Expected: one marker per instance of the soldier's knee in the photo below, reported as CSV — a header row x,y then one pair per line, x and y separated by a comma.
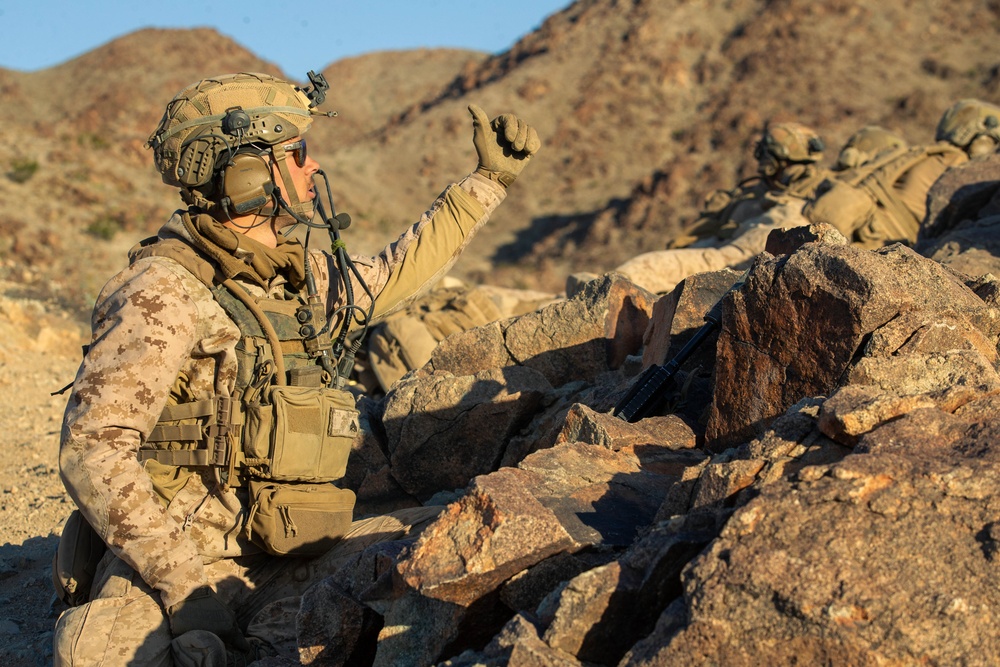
x,y
113,631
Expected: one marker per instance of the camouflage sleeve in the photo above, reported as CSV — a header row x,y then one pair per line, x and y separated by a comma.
x,y
144,329
426,251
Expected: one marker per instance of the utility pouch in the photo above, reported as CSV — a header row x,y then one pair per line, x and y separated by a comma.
x,y
298,519
301,434
75,561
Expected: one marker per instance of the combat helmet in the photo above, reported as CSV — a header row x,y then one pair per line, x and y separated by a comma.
x,y
867,143
216,135
972,125
787,143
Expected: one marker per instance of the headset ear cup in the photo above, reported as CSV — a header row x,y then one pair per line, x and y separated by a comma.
x,y
247,183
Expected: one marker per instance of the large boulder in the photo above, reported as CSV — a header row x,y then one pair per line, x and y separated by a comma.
x,y
801,321
443,430
883,558
962,226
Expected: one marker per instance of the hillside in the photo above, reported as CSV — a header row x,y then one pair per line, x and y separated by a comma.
x,y
632,93
644,106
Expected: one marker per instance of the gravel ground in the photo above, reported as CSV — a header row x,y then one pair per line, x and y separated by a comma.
x,y
39,353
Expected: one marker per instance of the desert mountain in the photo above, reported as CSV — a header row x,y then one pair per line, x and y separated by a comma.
x,y
819,490
644,107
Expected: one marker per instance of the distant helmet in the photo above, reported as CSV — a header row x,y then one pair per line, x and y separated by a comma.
x,y
787,143
968,120
867,143
210,122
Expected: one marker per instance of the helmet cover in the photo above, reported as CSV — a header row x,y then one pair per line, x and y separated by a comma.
x,y
790,142
865,144
208,121
968,119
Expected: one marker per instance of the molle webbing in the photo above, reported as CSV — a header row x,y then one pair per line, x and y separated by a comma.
x,y
215,420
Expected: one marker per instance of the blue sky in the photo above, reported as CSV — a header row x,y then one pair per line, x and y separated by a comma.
x,y
299,36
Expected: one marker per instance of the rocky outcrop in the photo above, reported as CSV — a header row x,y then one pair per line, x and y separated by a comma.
x,y
962,227
804,321
832,504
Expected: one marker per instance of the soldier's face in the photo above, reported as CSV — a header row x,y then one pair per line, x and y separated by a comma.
x,y
301,167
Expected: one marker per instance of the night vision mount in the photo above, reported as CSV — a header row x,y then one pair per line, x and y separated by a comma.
x,y
317,91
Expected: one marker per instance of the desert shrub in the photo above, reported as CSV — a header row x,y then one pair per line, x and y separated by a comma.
x,y
22,169
104,227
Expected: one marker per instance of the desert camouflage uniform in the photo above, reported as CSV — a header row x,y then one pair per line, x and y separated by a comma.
x,y
160,338
745,228
884,200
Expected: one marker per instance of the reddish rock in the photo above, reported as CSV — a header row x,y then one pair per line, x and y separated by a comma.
x,y
496,530
575,339
769,354
678,315
826,562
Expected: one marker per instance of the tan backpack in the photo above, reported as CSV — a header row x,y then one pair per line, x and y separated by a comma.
x,y
867,204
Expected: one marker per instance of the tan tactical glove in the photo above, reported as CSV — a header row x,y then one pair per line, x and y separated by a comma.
x,y
504,145
203,610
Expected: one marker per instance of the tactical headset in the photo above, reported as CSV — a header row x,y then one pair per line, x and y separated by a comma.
x,y
222,140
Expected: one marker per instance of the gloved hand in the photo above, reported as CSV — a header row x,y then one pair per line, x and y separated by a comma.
x,y
203,610
504,145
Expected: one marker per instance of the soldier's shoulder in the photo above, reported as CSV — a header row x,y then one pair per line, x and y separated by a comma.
x,y
155,280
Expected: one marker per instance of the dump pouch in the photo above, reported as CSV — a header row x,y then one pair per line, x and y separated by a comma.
x,y
300,434
75,562
298,519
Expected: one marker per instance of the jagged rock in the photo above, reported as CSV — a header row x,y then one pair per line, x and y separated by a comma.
x,y
896,386
965,192
962,226
368,471
339,618
853,563
582,424
443,430
602,496
329,626
518,644
971,248
792,442
558,500
787,241
493,532
525,590
721,480
969,431
544,428
769,354
606,593
576,339
598,615
679,314
416,631
987,288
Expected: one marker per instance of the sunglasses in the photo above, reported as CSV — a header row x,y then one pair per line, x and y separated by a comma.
x,y
298,151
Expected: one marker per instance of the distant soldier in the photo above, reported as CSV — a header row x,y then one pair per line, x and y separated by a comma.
x,y
884,199
734,225
973,126
787,157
